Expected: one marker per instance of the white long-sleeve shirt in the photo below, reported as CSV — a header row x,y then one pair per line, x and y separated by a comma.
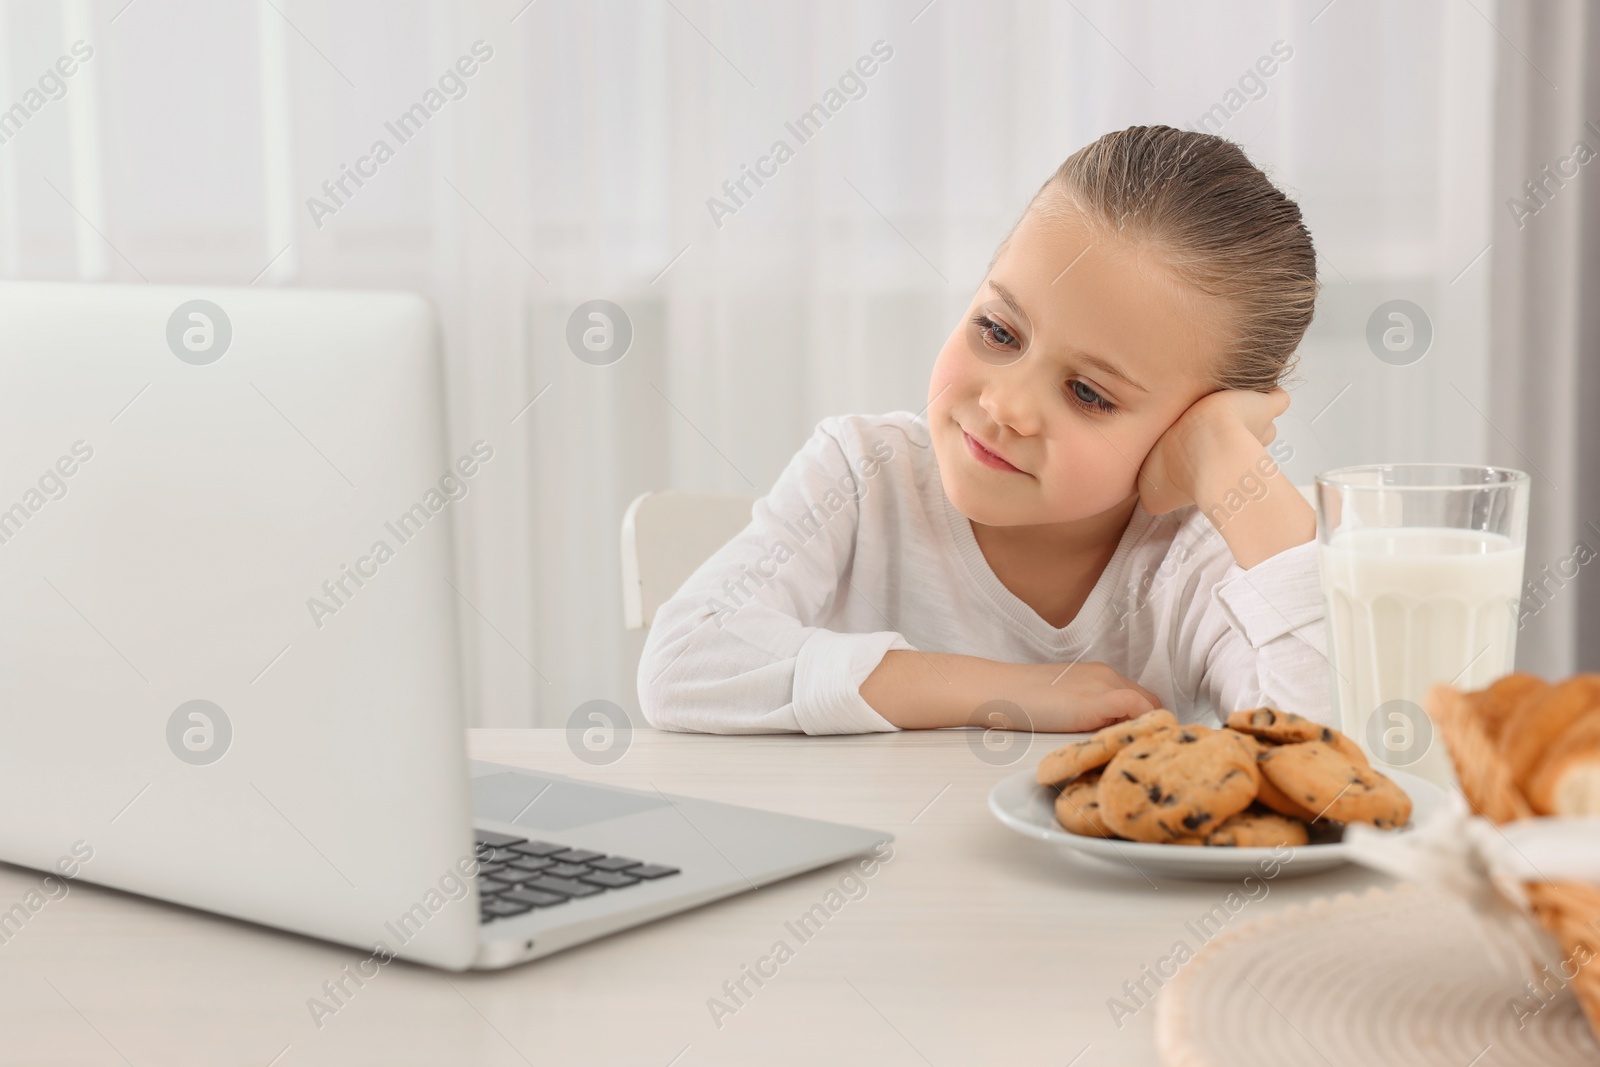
x,y
857,550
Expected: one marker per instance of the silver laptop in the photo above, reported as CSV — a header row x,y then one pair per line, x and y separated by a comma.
x,y
228,665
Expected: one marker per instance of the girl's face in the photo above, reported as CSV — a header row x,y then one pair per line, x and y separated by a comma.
x,y
1076,355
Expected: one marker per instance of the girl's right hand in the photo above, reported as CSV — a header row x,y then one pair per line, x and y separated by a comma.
x,y
1068,698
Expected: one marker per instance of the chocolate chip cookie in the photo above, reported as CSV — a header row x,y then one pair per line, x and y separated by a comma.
x,y
1256,828
1078,807
1267,793
1334,786
1096,750
1272,797
1177,783
1286,728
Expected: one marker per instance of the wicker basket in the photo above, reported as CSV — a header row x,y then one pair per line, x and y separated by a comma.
x,y
1569,910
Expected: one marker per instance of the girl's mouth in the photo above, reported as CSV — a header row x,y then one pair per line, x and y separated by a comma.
x,y
985,456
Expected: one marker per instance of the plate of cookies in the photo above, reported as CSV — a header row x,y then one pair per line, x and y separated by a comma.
x,y
1193,801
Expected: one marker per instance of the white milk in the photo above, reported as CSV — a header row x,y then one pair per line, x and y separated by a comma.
x,y
1410,607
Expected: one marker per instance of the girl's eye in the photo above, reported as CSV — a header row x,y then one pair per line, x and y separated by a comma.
x,y
994,333
1086,397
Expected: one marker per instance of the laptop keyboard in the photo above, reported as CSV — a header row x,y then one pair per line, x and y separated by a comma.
x,y
516,875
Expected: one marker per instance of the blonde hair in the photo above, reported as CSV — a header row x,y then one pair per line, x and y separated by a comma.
x,y
1215,220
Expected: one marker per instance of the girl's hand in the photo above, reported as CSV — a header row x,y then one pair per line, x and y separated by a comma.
x,y
1214,456
1068,698
1212,426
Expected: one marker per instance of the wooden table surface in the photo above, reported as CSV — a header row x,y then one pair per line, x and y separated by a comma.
x,y
971,945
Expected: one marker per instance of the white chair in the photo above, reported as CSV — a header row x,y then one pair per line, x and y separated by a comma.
x,y
665,536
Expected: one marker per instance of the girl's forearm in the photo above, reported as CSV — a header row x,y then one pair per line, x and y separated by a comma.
x,y
927,690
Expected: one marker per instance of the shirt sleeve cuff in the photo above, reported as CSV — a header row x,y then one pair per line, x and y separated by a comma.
x,y
1275,597
827,681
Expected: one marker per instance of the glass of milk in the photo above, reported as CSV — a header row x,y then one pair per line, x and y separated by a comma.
x,y
1422,575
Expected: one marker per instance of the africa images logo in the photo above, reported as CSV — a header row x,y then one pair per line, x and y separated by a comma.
x,y
199,732
199,332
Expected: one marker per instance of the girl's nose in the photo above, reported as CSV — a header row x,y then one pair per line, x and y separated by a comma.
x,y
1012,401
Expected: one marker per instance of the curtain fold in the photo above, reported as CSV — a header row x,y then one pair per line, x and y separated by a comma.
x,y
1545,319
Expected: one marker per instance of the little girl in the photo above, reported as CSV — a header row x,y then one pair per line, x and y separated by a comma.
x,y
1085,523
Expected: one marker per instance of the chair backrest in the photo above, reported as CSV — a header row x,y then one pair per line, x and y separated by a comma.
x,y
665,537
667,534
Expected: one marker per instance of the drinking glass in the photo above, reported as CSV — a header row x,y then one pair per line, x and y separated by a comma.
x,y
1422,577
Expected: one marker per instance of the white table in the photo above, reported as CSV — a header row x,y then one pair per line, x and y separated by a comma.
x,y
972,945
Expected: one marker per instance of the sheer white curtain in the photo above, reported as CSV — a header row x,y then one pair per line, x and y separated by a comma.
x,y
1546,325
577,161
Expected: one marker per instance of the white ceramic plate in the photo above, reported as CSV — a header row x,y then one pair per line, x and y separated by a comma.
x,y
1029,808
